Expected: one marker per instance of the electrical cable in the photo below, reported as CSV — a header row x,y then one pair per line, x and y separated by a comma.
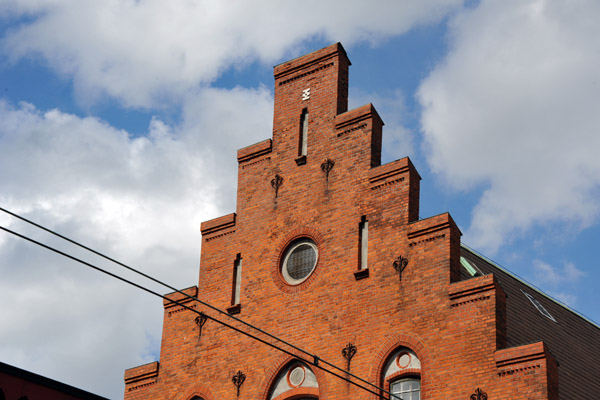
x,y
186,295
315,361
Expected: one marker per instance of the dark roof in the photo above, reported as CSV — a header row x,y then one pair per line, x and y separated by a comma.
x,y
573,340
49,383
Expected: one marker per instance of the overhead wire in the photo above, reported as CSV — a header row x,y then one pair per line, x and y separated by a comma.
x,y
315,359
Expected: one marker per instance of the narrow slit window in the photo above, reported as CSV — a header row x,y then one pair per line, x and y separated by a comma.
x,y
363,229
303,145
237,280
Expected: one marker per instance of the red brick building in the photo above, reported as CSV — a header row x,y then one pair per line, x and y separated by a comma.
x,y
327,251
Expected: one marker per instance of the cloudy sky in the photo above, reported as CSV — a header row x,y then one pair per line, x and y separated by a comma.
x,y
120,120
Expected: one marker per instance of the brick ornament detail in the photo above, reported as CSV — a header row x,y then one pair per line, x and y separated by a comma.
x,y
306,94
327,166
276,183
238,379
348,352
400,264
200,321
479,395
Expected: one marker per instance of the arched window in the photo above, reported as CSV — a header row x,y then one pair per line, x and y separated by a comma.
x,y
402,375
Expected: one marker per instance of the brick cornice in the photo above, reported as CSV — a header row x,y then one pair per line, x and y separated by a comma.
x,y
142,375
180,298
288,70
434,224
517,357
357,115
473,289
217,224
256,150
390,169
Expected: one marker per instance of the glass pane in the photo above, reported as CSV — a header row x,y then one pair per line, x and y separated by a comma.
x,y
405,386
301,261
406,389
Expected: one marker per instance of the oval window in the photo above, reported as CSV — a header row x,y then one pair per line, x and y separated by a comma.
x,y
299,261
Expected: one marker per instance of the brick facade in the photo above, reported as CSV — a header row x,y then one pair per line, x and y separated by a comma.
x,y
455,328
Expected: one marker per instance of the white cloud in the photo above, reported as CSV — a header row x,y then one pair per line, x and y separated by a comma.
x,y
559,282
137,199
513,109
150,52
546,274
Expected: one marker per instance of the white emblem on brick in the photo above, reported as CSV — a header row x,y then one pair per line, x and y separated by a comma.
x,y
306,94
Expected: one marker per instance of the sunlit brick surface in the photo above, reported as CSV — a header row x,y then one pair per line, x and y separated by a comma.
x,y
456,328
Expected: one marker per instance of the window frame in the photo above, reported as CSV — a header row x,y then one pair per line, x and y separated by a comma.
x,y
399,377
288,279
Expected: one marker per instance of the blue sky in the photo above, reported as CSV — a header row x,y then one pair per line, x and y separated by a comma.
x,y
119,123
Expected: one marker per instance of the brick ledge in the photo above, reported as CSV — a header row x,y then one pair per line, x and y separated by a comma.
x,y
147,372
255,150
217,224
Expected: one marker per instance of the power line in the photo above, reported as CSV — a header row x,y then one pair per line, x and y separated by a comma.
x,y
315,359
152,279
186,295
314,362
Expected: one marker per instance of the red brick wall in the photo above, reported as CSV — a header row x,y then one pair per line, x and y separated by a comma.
x,y
454,327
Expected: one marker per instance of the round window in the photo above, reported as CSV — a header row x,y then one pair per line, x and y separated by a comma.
x,y
299,261
296,376
403,360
